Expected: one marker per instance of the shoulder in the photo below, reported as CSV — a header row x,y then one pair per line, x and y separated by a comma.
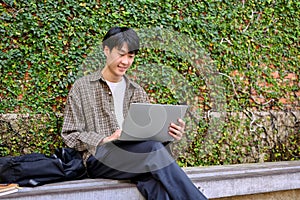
x,y
87,80
82,81
84,84
132,84
138,92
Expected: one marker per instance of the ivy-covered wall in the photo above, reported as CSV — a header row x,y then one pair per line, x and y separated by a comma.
x,y
218,56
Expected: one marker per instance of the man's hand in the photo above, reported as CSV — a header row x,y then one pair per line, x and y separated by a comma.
x,y
116,135
177,130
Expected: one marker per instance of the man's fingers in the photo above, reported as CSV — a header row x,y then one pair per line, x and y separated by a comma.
x,y
181,123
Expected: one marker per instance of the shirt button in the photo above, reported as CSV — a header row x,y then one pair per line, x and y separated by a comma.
x,y
109,93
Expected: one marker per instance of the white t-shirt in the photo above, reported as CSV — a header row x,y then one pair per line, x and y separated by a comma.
x,y
118,92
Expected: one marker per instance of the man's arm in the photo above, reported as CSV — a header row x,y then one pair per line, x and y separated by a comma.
x,y
74,128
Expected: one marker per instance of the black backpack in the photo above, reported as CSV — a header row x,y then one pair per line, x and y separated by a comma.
x,y
37,169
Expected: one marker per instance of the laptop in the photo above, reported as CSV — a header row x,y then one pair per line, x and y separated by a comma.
x,y
147,121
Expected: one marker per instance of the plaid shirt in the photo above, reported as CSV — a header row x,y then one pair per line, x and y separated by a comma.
x,y
89,114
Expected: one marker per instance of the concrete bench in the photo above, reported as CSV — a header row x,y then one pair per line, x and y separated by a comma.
x,y
276,180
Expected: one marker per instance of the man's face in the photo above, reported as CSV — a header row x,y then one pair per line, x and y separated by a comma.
x,y
118,60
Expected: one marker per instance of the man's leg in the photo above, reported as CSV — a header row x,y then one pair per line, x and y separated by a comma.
x,y
137,160
149,187
164,169
177,183
152,189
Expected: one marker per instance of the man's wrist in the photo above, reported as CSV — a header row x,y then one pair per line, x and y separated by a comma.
x,y
104,140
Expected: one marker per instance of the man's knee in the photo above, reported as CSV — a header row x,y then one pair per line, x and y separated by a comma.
x,y
153,145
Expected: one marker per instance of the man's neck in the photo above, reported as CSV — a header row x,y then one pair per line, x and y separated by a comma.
x,y
110,77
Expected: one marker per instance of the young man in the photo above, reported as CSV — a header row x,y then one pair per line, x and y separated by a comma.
x,y
95,109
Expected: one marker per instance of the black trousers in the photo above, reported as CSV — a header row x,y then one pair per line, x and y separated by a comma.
x,y
148,164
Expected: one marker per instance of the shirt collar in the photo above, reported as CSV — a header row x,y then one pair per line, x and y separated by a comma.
x,y
98,76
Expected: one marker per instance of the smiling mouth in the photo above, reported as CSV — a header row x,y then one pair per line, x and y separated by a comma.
x,y
124,68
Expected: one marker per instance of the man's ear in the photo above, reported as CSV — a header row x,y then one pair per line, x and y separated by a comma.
x,y
106,50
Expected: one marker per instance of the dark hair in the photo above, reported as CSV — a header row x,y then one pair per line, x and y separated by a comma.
x,y
117,36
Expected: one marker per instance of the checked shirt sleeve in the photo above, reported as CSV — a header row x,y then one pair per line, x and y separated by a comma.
x,y
74,131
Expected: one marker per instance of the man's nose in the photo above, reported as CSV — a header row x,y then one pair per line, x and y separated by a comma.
x,y
125,60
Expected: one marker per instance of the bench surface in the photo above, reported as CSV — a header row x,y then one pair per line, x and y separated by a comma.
x,y
213,181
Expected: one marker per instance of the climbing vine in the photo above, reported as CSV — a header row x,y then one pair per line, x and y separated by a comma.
x,y
251,67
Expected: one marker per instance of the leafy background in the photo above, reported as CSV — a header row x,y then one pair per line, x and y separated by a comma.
x,y
252,45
